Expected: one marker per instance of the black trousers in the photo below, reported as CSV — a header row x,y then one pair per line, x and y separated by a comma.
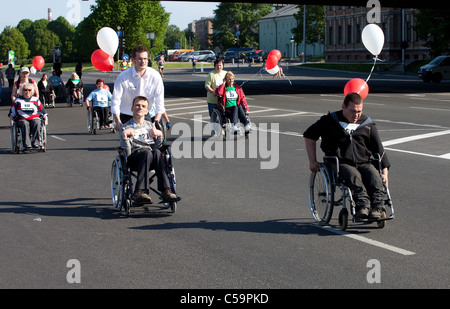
x,y
365,183
143,162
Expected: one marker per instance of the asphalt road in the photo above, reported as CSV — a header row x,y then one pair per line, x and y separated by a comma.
x,y
244,220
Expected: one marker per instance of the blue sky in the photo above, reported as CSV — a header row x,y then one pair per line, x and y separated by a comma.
x,y
182,12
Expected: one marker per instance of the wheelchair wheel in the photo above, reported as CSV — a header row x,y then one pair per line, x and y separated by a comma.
x,y
382,223
321,196
117,183
89,121
343,219
15,138
43,137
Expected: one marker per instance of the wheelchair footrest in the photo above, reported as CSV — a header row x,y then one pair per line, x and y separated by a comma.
x,y
369,220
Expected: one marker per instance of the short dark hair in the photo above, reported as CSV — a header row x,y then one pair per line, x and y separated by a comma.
x,y
352,97
139,98
139,49
219,59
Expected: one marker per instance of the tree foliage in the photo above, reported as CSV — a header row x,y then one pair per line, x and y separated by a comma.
x,y
135,19
12,39
228,14
433,26
314,21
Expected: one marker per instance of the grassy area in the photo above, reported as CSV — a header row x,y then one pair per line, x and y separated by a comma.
x,y
352,67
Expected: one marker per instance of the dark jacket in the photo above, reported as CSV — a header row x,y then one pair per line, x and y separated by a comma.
x,y
352,147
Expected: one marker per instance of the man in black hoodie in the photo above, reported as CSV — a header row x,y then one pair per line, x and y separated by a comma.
x,y
353,138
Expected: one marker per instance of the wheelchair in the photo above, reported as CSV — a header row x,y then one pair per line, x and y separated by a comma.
x,y
93,122
51,102
222,127
71,100
323,195
122,178
16,136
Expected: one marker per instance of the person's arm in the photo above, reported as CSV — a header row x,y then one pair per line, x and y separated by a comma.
x,y
312,154
115,103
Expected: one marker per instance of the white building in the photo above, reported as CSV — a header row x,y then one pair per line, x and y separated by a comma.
x,y
275,32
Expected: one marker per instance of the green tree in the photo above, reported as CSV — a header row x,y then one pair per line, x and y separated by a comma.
x,y
433,26
315,24
12,39
173,35
136,19
65,33
228,14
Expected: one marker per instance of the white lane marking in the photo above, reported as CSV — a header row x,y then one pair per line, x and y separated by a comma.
x,y
58,138
368,241
414,138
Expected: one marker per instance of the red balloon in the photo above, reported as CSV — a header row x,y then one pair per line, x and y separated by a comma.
x,y
357,85
38,62
271,62
102,61
275,52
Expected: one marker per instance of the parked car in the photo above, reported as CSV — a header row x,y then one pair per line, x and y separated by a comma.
x,y
201,55
235,53
438,69
251,56
178,57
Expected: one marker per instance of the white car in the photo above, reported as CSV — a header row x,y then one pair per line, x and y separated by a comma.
x,y
438,69
201,55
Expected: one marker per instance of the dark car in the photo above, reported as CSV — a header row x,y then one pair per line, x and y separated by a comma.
x,y
251,56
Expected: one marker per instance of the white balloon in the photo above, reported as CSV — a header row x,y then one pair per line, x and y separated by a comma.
x,y
107,40
273,70
33,70
373,38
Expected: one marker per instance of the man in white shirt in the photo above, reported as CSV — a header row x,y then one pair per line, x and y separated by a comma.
x,y
139,80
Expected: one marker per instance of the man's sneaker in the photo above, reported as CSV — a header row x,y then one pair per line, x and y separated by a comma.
x,y
363,213
141,197
169,196
248,127
376,213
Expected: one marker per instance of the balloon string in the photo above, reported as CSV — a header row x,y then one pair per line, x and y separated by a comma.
x,y
251,77
374,63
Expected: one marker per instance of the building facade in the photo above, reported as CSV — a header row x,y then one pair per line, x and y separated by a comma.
x,y
204,30
344,25
275,32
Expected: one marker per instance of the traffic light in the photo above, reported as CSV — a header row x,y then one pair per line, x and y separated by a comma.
x,y
152,43
123,42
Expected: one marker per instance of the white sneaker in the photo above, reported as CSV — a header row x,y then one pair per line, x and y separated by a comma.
x,y
248,127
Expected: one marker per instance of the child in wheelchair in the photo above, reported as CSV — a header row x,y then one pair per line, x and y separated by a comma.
x,y
233,103
27,110
137,138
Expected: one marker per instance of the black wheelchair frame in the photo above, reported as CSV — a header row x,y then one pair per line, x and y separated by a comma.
x,y
93,121
122,182
16,139
223,127
322,195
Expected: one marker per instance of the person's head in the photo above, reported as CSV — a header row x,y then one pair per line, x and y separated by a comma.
x,y
218,64
140,106
99,83
229,78
140,57
44,76
27,90
24,72
352,107
75,76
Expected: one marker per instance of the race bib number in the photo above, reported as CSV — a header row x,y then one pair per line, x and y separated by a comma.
x,y
143,136
27,106
103,98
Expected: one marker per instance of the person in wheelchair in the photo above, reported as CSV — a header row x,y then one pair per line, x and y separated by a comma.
x,y
100,99
353,138
27,110
74,86
137,138
46,90
232,101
